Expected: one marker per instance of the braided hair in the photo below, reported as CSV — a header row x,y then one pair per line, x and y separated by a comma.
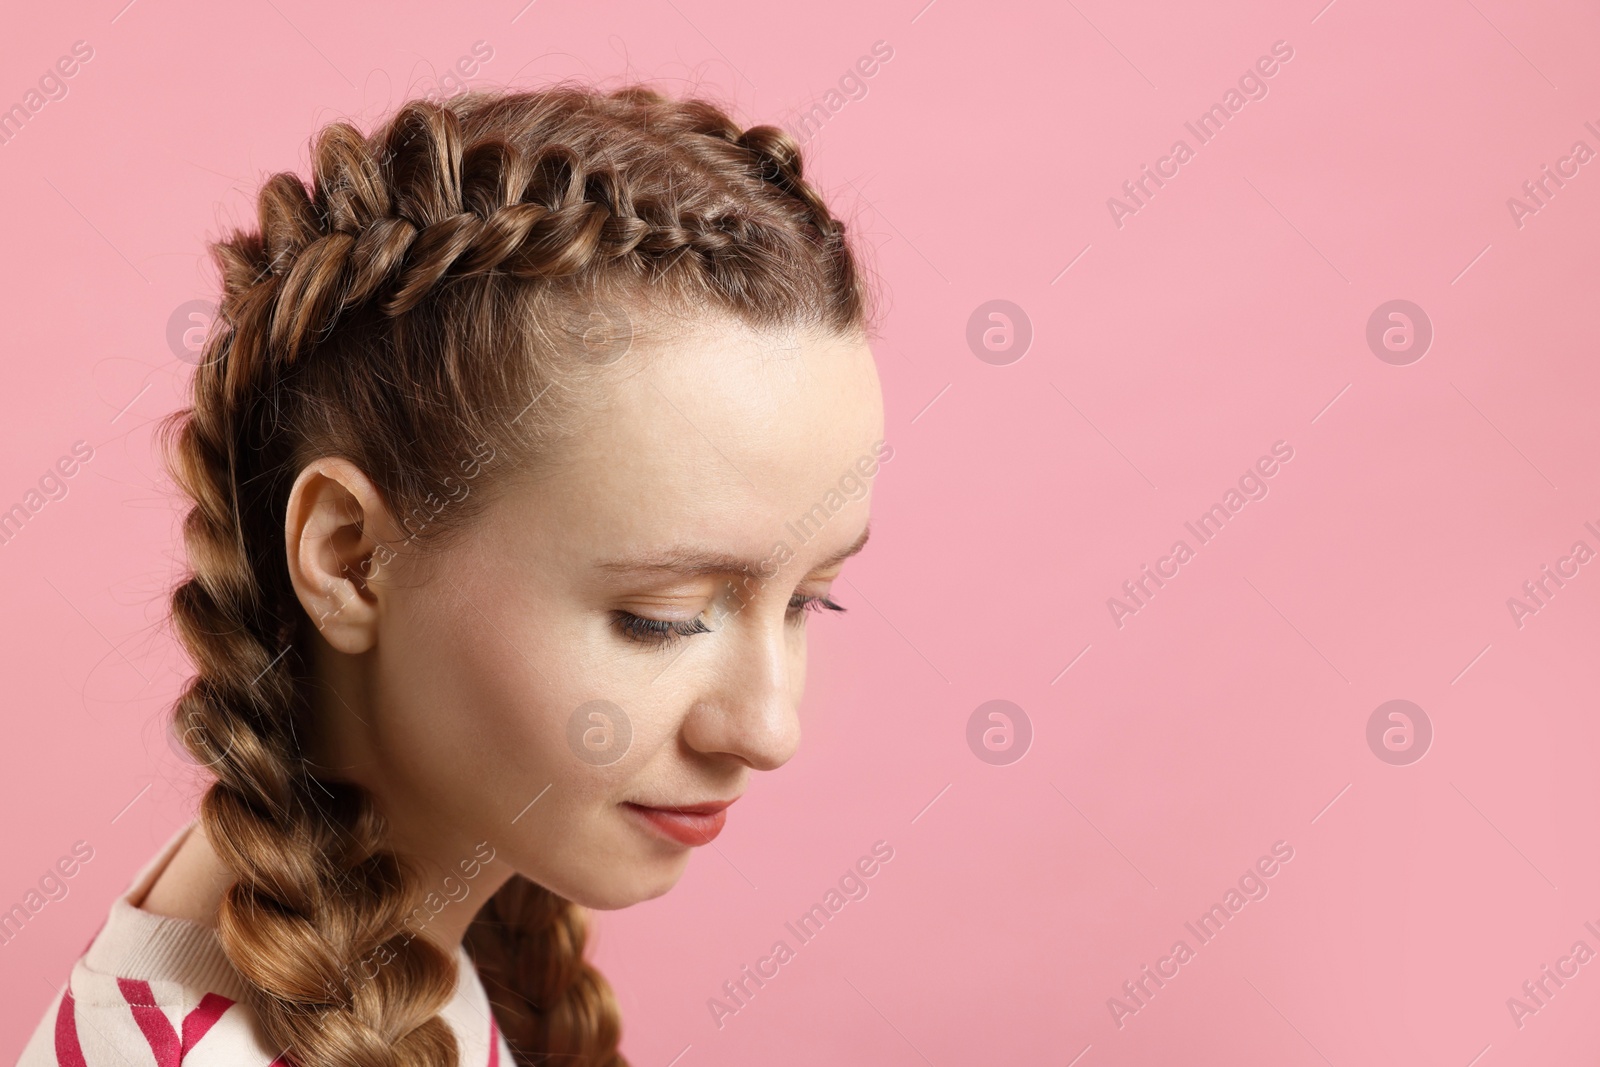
x,y
435,279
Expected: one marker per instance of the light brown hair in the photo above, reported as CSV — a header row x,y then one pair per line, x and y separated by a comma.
x,y
438,286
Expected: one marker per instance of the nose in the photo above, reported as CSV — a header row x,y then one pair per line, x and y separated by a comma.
x,y
751,709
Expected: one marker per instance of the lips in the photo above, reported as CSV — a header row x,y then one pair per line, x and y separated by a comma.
x,y
686,824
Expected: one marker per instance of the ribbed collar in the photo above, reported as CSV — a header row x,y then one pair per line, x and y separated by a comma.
x,y
134,943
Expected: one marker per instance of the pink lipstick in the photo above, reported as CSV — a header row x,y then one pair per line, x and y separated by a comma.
x,y
687,824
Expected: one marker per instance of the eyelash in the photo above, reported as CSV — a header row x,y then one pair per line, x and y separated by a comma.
x,y
662,633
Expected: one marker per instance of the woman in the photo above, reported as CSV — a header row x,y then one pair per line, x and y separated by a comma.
x,y
528,438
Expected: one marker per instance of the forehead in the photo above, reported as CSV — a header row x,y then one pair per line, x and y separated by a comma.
x,y
723,438
779,400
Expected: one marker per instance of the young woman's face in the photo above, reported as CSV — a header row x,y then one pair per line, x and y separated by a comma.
x,y
521,691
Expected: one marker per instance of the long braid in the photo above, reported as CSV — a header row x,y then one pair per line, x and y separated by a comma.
x,y
314,890
528,946
401,307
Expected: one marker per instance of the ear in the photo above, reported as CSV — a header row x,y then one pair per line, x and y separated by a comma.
x,y
337,533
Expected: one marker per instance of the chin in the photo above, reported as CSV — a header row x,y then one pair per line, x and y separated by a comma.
x,y
624,892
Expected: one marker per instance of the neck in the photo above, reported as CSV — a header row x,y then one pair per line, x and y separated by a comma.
x,y
454,873
454,881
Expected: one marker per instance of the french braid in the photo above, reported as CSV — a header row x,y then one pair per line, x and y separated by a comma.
x,y
401,308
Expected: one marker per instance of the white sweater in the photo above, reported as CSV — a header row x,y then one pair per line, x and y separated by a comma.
x,y
156,991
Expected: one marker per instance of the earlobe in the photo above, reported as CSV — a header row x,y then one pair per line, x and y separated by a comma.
x,y
336,564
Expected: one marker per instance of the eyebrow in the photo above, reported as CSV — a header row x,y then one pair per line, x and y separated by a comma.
x,y
696,563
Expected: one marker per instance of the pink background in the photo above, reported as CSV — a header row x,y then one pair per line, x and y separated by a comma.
x,y
1227,314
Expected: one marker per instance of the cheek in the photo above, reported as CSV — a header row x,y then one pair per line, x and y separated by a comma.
x,y
497,693
474,702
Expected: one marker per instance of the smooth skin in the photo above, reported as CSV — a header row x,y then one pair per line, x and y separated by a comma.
x,y
447,682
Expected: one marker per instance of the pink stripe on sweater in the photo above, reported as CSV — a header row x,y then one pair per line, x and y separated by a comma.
x,y
152,1021
68,1052
165,1045
202,1018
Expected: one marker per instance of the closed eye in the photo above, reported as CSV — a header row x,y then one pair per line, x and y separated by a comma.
x,y
799,604
661,633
